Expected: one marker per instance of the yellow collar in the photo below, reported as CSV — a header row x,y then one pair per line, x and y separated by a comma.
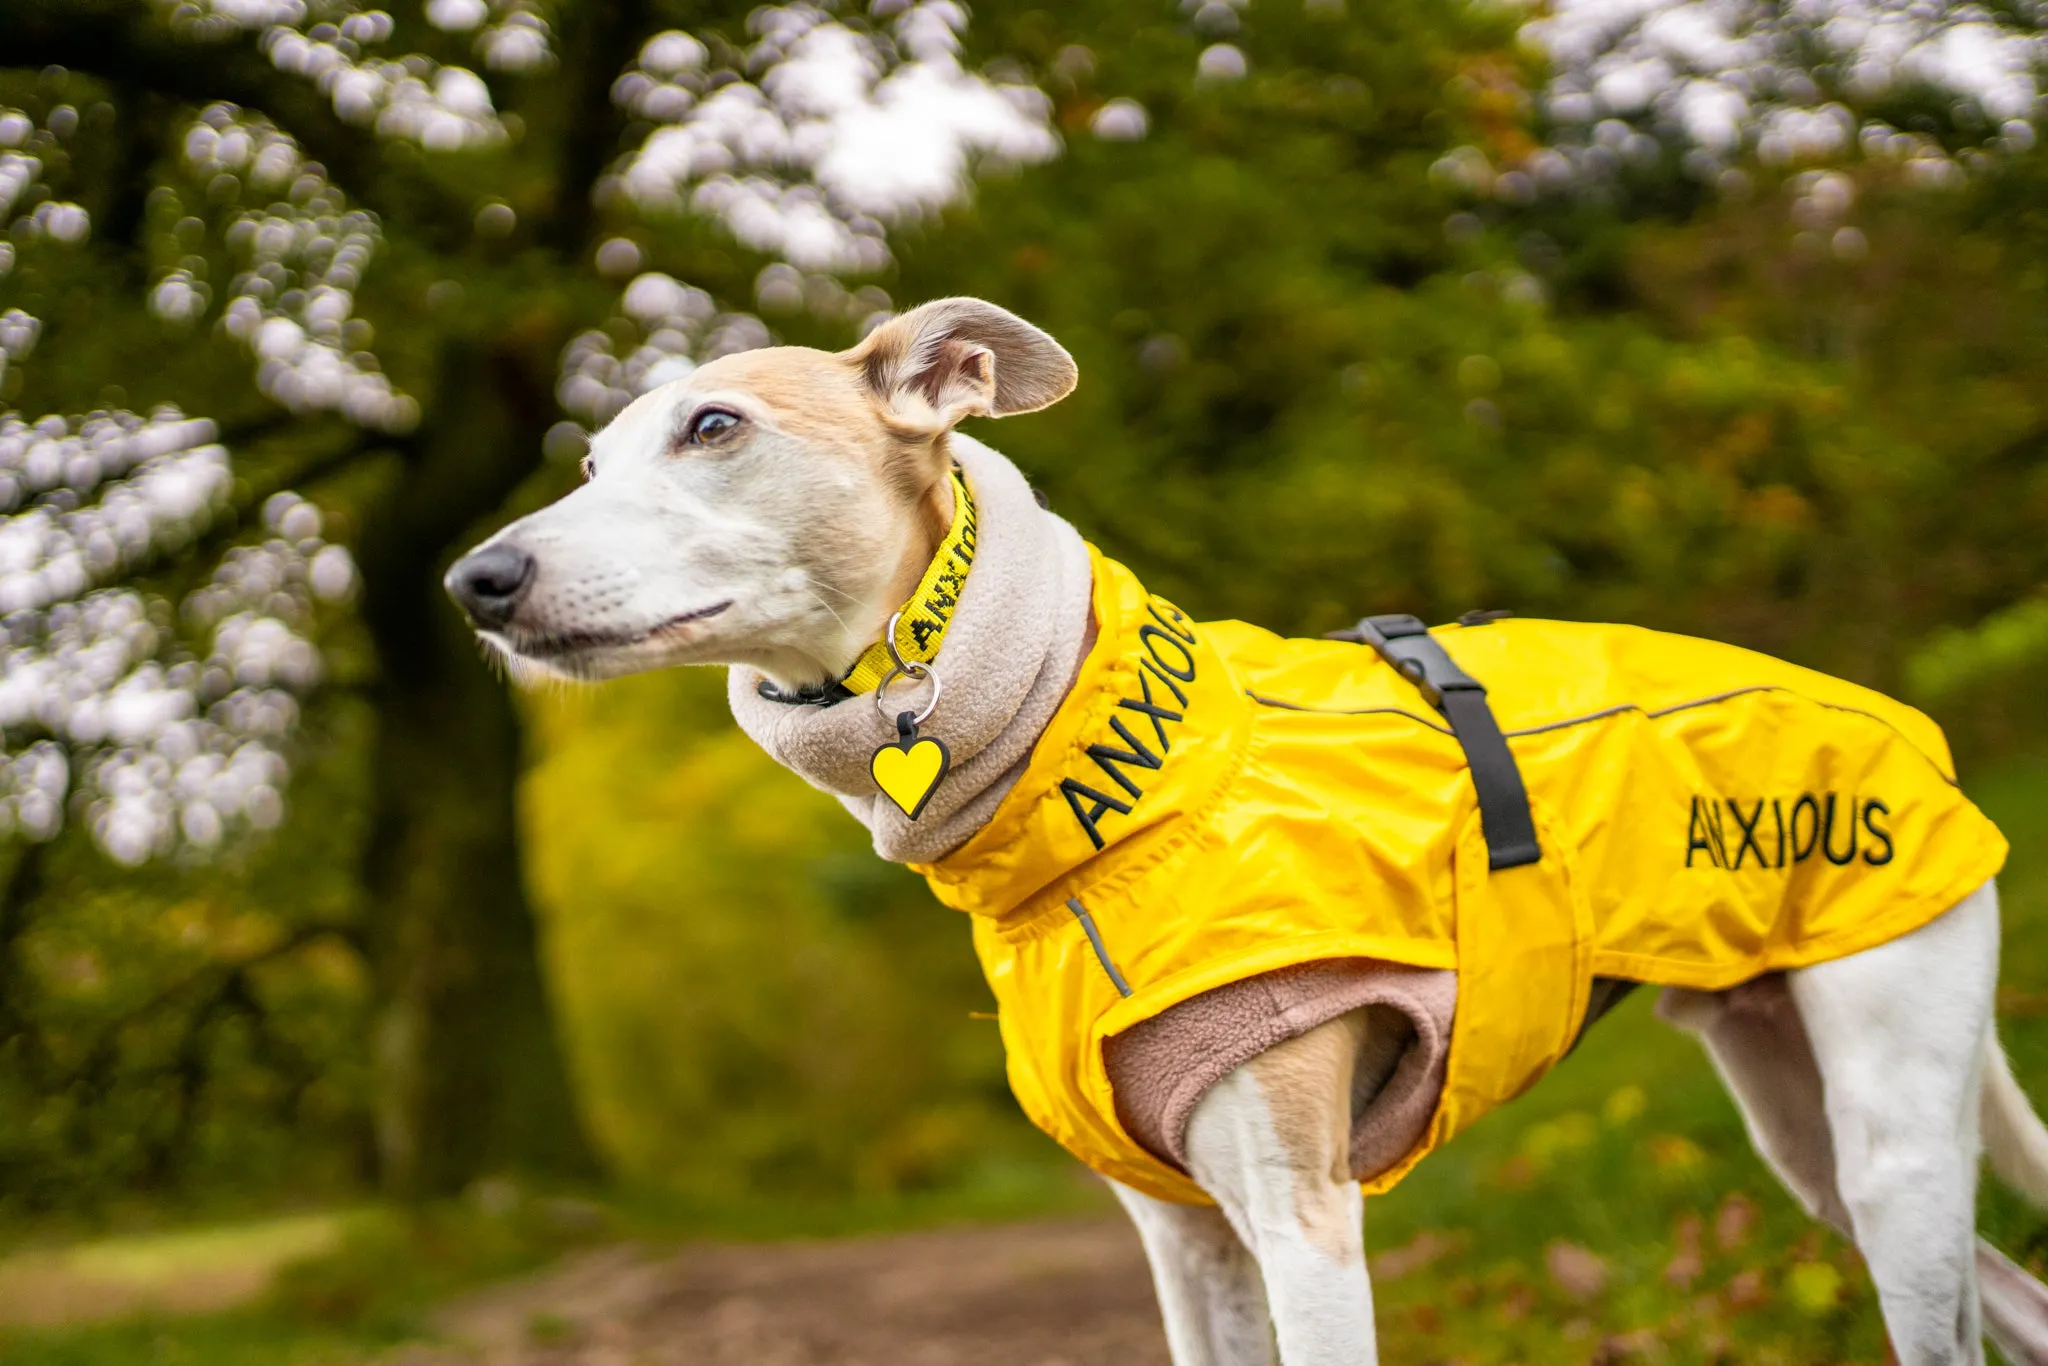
x,y
921,626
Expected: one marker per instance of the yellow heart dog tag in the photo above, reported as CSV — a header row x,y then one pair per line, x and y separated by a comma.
x,y
910,768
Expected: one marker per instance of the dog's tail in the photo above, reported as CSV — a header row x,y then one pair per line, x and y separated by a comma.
x,y
2015,1304
2015,1139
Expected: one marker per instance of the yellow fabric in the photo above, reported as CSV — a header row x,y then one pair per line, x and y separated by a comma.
x,y
1706,814
922,624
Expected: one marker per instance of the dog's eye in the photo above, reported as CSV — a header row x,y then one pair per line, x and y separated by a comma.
x,y
710,425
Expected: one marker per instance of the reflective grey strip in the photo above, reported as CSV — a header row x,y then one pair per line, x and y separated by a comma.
x,y
1095,938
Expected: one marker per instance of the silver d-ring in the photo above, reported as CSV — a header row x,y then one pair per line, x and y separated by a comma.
x,y
889,643
907,668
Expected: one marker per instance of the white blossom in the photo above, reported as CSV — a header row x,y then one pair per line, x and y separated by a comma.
x,y
1722,77
103,703
1120,120
1221,62
304,256
457,16
841,132
521,43
410,97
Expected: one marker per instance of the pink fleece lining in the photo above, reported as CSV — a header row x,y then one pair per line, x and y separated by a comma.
x,y
1160,1068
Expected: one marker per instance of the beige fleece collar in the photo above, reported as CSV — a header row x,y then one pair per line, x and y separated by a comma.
x,y
1008,658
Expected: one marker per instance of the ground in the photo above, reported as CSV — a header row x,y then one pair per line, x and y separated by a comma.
x,y
1037,1294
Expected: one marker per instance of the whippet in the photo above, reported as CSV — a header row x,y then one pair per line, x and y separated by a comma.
x,y
777,510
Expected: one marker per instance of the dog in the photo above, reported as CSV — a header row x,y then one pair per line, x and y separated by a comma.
x,y
904,629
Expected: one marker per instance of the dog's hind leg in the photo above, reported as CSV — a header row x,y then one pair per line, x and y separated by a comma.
x,y
1207,1280
1272,1143
1899,1034
1759,1046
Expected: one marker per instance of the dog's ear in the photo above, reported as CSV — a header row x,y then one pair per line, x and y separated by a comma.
x,y
955,358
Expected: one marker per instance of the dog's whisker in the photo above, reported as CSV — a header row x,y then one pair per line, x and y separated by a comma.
x,y
817,585
829,608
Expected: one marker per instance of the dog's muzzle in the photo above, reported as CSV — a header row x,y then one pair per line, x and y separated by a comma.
x,y
490,583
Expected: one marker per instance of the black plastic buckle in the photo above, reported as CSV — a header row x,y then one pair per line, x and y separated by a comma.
x,y
1404,642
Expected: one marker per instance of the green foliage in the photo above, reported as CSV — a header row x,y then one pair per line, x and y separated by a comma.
x,y
756,1006
1314,383
191,1030
1985,680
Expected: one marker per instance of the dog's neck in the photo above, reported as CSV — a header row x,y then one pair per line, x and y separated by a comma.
x,y
931,518
1010,654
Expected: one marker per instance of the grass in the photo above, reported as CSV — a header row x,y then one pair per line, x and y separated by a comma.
x,y
1615,1213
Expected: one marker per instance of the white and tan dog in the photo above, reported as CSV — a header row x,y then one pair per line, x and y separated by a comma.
x,y
774,508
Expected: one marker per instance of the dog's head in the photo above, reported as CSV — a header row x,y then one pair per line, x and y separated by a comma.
x,y
772,509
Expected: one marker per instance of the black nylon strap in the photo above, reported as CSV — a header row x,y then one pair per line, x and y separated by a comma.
x,y
1404,642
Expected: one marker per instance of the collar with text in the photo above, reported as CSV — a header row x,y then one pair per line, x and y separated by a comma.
x,y
920,626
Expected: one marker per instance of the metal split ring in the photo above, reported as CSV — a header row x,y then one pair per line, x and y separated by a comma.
x,y
904,668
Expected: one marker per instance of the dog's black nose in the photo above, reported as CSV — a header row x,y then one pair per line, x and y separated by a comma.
x,y
489,583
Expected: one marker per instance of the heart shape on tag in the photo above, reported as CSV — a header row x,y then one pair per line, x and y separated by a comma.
x,y
908,772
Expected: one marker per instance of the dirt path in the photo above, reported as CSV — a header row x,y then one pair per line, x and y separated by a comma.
x,y
1069,1293
188,1271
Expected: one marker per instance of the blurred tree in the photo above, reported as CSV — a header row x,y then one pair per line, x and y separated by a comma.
x,y
239,165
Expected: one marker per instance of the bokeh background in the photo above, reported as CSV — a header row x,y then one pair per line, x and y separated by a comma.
x,y
321,950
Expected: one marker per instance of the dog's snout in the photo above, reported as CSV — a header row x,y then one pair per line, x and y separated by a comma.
x,y
489,583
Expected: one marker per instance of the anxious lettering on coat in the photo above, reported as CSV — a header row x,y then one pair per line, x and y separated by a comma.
x,y
1828,825
1165,662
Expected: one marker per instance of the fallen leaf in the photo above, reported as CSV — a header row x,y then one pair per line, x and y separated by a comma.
x,y
1579,1273
1745,1290
1415,1254
2013,1001
1686,1262
1735,1221
1642,1343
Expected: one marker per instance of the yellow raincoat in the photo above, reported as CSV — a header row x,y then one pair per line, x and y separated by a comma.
x,y
1213,801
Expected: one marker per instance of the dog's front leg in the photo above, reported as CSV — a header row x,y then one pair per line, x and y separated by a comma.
x,y
1208,1284
1272,1143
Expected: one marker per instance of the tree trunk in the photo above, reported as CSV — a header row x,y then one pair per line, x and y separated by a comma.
x,y
471,1078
